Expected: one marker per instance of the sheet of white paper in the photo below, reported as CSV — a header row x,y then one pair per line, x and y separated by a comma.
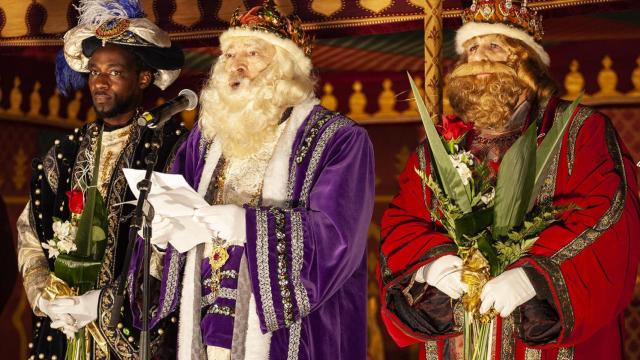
x,y
173,198
187,232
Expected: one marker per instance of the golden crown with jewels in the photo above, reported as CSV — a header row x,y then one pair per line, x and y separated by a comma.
x,y
267,18
513,13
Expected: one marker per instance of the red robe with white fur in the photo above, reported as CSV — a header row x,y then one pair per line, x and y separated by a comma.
x,y
583,268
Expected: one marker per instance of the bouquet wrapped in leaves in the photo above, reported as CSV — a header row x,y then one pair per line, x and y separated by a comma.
x,y
78,246
488,209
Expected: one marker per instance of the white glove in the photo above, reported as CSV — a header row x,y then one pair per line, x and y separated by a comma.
x,y
83,308
506,292
160,231
225,221
68,329
62,321
444,274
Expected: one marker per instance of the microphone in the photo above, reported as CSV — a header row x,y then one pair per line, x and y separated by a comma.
x,y
186,100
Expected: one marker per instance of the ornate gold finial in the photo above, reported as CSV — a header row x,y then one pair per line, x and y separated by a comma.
x,y
412,110
357,102
326,7
74,106
268,18
15,98
607,80
35,100
574,81
329,100
514,13
635,79
187,13
54,105
20,169
386,101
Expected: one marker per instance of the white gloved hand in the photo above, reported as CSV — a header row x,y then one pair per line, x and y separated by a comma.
x,y
62,321
225,221
444,274
68,328
83,308
506,292
160,231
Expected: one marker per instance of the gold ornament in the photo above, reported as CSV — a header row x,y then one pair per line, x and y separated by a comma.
x,y
268,18
513,13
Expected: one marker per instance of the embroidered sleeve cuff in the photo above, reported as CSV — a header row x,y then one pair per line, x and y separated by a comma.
x,y
275,256
547,318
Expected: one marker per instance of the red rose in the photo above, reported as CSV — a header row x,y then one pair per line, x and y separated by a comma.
x,y
494,166
453,128
76,201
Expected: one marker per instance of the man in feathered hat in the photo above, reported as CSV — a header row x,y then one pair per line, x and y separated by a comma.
x,y
283,273
119,53
565,298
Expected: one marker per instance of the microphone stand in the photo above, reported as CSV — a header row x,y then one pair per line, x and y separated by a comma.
x,y
142,218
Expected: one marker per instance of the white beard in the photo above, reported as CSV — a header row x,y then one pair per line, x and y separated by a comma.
x,y
242,119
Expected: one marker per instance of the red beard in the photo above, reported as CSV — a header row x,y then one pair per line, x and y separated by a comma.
x,y
487,101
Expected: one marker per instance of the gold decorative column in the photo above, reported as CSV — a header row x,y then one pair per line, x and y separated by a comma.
x,y
432,57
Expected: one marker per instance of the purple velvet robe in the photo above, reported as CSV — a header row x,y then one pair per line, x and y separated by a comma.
x,y
307,260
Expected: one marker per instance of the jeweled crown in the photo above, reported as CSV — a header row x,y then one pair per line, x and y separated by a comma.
x,y
268,18
514,13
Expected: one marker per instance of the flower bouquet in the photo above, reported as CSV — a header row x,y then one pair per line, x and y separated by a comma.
x,y
78,246
488,209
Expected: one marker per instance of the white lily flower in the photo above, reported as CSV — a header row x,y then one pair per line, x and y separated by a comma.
x,y
51,245
64,231
66,246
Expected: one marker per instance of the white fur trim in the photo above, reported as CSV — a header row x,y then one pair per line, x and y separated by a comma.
x,y
274,188
218,353
257,344
298,55
190,344
473,29
189,338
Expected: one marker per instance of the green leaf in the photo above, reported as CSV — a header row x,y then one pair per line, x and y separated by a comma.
x,y
77,271
474,222
548,148
490,254
94,213
449,178
97,234
515,183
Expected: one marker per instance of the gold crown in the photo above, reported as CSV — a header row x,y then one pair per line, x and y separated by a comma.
x,y
513,13
268,18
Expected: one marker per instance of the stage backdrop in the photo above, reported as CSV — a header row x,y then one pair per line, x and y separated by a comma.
x,y
362,74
